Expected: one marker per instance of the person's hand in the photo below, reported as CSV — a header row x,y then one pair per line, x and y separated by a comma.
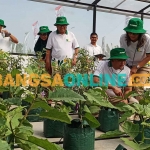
x,y
125,101
7,34
133,70
74,60
117,91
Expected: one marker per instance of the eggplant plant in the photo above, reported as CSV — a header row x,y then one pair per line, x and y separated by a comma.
x,y
15,129
137,129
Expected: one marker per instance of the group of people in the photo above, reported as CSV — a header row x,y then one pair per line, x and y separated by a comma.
x,y
130,58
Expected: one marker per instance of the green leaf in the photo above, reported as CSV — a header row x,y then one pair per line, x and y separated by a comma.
x,y
124,107
131,129
14,101
14,116
24,129
14,72
125,115
44,143
139,109
93,96
131,94
19,91
145,124
4,145
2,107
111,134
29,99
65,94
3,89
55,114
41,104
136,146
29,70
86,109
94,109
2,121
92,121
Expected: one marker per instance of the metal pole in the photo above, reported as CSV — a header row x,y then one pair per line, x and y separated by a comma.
x,y
94,19
142,16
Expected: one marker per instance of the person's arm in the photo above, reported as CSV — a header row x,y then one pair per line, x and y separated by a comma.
x,y
48,61
48,56
74,60
146,59
75,46
141,64
12,37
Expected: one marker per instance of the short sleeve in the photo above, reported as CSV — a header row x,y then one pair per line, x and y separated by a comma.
x,y
49,44
74,42
99,69
122,38
147,44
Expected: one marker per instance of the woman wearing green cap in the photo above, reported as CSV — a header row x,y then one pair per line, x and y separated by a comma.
x,y
42,40
137,45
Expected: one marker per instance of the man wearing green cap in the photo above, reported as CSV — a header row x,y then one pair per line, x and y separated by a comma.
x,y
6,37
115,75
61,44
137,46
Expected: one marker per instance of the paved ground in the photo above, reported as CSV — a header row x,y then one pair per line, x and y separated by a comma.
x,y
99,144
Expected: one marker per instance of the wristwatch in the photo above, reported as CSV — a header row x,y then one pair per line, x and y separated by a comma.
x,y
137,66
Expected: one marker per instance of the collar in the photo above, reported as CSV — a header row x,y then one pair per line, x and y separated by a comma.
x,y
93,45
110,65
59,33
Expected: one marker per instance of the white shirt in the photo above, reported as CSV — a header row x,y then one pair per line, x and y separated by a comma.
x,y
131,50
121,77
5,43
62,45
93,50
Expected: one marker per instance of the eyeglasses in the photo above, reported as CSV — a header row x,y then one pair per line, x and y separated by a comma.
x,y
133,33
43,34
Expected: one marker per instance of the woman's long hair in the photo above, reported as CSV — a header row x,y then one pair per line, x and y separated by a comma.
x,y
141,40
40,44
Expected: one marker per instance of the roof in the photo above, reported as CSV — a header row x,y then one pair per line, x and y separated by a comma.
x,y
122,7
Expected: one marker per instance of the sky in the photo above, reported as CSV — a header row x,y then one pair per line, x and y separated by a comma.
x,y
19,15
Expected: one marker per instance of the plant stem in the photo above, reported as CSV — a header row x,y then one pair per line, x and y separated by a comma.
x,y
29,108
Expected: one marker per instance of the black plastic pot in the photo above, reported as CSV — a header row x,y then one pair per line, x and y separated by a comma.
x,y
108,119
33,113
77,138
33,118
53,129
120,147
138,138
5,95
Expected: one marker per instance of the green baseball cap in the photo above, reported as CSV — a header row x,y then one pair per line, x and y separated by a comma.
x,y
2,23
43,29
118,53
135,25
61,21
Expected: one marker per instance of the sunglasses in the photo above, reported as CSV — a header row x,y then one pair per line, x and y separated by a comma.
x,y
43,34
133,33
